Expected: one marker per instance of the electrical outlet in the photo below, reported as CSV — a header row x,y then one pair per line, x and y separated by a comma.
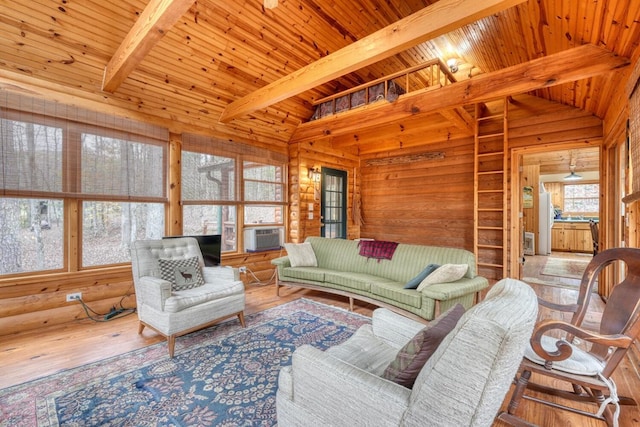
x,y
242,269
74,297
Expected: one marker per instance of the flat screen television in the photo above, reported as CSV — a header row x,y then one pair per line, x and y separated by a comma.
x,y
210,246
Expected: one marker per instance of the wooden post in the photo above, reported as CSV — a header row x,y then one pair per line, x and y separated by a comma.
x,y
174,213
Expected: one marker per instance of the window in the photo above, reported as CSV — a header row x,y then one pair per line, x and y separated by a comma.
x,y
31,226
208,181
109,228
32,235
263,183
225,188
581,198
111,171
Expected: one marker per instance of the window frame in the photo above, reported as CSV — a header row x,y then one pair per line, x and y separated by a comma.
x,y
194,144
71,175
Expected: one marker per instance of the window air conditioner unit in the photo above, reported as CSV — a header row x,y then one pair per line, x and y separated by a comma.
x,y
262,238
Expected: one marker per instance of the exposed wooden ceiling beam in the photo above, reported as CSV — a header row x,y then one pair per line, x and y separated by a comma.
x,y
563,67
156,19
432,21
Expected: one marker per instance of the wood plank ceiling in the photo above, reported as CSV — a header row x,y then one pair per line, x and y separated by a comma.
x,y
221,51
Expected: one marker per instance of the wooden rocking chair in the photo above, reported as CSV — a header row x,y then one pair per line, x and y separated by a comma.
x,y
587,367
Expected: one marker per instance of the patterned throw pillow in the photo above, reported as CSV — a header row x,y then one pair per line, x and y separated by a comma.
x,y
301,254
182,273
404,369
445,274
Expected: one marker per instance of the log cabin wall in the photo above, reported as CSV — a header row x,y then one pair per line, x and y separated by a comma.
x,y
431,202
428,202
303,192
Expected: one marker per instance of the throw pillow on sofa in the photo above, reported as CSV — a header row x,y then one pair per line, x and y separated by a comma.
x,y
445,274
301,255
404,369
182,273
413,283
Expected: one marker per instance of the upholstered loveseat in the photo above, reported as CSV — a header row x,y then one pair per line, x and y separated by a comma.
x,y
341,269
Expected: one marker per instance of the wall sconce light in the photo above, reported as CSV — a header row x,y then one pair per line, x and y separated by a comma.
x,y
314,174
452,63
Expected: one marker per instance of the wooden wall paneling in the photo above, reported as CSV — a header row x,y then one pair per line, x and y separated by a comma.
x,y
260,270
427,202
59,315
31,303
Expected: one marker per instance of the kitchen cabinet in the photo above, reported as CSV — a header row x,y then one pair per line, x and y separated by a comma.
x,y
571,237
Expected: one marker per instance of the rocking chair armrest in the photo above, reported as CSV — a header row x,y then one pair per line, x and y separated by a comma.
x,y
564,348
571,308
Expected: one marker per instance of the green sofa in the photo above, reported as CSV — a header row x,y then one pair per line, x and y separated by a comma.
x,y
342,270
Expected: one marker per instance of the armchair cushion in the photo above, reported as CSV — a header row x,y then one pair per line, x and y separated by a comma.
x,y
365,351
580,362
411,358
180,300
182,273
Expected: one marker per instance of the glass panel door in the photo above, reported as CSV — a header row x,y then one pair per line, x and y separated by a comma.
x,y
333,203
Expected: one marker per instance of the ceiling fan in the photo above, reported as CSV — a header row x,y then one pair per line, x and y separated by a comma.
x,y
270,4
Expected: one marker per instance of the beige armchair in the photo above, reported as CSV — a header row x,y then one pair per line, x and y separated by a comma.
x,y
190,305
463,383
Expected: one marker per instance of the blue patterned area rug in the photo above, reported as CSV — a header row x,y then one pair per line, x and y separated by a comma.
x,y
221,376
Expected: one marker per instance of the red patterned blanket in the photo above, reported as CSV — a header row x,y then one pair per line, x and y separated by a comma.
x,y
377,249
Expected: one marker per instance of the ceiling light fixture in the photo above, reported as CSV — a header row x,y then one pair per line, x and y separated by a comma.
x,y
452,63
270,4
573,176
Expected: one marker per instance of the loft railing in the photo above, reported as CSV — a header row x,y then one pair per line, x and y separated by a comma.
x,y
432,74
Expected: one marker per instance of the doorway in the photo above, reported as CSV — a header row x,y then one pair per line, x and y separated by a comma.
x,y
569,248
333,204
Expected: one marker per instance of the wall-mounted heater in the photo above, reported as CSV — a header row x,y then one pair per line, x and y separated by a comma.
x,y
529,243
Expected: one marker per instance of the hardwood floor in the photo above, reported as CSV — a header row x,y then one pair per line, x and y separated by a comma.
x,y
28,356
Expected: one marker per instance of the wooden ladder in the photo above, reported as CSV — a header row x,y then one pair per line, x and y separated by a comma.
x,y
490,190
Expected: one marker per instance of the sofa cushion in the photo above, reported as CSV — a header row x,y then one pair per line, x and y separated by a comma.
x,y
394,291
445,274
303,273
182,273
413,283
359,281
404,369
301,255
